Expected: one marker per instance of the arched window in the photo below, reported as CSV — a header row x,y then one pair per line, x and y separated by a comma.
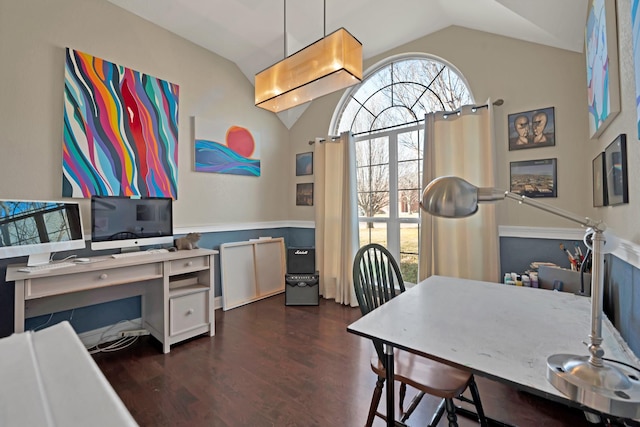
x,y
385,114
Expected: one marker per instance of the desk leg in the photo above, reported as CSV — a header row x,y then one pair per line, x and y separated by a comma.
x,y
18,317
391,418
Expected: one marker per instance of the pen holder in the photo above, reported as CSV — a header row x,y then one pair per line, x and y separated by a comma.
x,y
569,280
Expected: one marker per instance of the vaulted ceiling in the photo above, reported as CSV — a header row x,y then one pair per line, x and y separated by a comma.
x,y
251,33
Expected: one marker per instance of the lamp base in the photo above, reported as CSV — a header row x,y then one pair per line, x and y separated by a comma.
x,y
613,388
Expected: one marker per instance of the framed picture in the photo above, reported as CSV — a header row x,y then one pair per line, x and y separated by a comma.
x,y
304,164
635,36
615,162
534,178
599,175
601,48
304,194
531,129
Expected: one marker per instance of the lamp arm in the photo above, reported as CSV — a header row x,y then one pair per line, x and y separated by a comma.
x,y
490,194
597,278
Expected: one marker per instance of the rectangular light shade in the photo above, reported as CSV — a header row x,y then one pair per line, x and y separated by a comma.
x,y
330,64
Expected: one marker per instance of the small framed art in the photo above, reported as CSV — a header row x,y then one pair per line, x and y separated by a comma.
x,y
599,181
532,129
534,178
304,194
615,162
304,164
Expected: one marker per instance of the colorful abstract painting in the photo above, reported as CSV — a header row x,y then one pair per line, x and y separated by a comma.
x,y
603,87
635,31
226,149
120,131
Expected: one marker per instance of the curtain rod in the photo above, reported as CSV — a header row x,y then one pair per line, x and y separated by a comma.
x,y
497,103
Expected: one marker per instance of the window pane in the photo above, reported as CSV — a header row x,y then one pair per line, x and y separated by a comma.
x,y
393,116
381,78
409,175
409,146
379,151
409,252
408,201
380,100
363,176
363,153
373,232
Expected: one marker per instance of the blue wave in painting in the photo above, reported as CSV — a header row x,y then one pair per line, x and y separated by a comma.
x,y
215,157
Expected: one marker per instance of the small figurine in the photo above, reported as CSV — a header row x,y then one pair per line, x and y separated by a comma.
x,y
190,241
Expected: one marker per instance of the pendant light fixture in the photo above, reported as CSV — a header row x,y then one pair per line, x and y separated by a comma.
x,y
332,63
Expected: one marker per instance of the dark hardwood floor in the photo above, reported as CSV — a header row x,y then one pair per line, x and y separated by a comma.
x,y
271,365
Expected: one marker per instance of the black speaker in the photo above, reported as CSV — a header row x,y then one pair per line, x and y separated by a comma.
x,y
301,260
302,289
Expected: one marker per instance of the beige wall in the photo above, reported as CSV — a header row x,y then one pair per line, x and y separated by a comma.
x,y
33,36
527,76
34,33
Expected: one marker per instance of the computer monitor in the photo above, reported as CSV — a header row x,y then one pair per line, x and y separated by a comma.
x,y
38,228
124,222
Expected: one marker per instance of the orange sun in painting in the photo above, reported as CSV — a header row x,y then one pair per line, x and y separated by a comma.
x,y
241,141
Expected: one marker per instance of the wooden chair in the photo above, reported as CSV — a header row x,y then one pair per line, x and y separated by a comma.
x,y
377,279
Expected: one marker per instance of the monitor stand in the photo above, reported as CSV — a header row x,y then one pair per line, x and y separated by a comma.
x,y
130,249
39,259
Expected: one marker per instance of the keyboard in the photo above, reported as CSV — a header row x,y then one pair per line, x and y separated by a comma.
x,y
139,253
46,267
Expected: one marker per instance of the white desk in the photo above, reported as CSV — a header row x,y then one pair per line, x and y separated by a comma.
x,y
497,331
176,289
49,379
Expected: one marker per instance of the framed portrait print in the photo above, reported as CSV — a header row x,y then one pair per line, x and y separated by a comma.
x,y
534,178
532,129
615,162
304,194
599,181
304,164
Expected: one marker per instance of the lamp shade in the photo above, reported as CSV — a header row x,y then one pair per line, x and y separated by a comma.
x,y
450,197
330,64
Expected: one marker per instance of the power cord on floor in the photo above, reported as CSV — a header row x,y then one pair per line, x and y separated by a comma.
x,y
112,342
119,344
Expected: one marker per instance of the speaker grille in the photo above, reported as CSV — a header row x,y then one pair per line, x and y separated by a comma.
x,y
301,260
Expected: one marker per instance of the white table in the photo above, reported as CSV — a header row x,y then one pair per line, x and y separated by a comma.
x,y
497,331
49,379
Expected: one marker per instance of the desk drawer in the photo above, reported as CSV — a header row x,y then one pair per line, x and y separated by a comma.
x,y
186,265
187,312
55,285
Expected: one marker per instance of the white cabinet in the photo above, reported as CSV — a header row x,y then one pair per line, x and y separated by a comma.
x,y
251,270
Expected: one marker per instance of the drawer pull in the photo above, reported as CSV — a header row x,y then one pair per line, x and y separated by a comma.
x,y
190,311
104,276
190,263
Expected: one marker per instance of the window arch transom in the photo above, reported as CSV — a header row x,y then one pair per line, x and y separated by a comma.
x,y
400,91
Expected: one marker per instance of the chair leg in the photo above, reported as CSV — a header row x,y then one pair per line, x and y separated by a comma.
x,y
403,393
451,412
473,388
375,400
439,412
412,406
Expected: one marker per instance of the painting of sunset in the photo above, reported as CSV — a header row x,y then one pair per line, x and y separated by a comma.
x,y
225,149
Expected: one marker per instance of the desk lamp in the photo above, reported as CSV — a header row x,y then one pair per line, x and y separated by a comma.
x,y
604,385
